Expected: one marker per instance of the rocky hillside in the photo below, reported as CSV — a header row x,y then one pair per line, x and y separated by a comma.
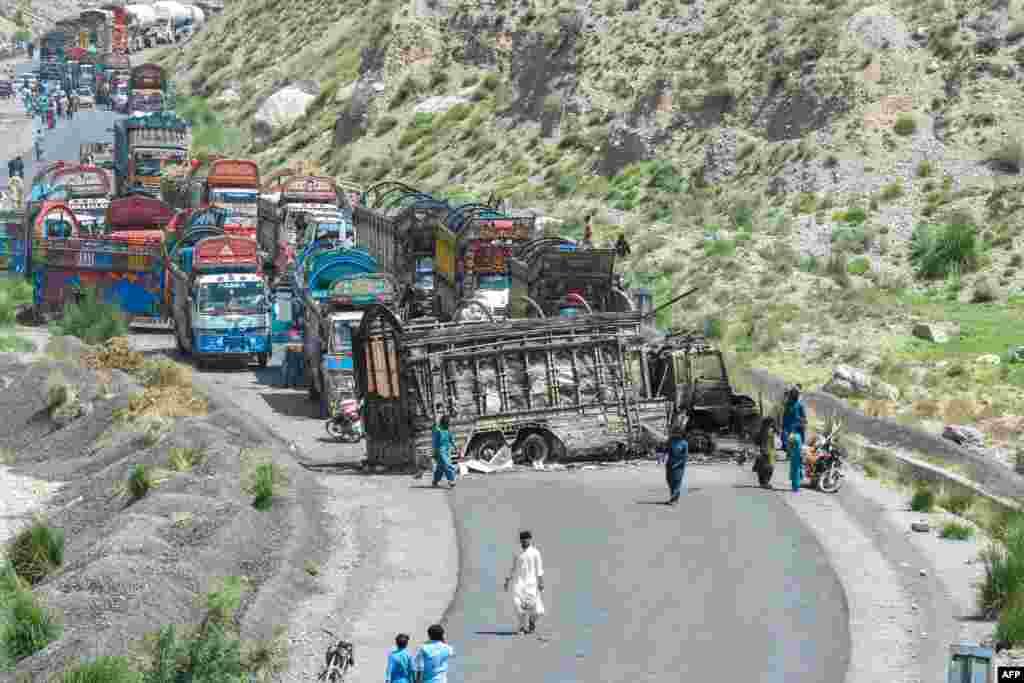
x,y
831,173
41,14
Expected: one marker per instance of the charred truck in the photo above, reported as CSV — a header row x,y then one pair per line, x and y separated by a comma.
x,y
557,388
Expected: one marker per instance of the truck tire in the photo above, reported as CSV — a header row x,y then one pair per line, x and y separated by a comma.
x,y
487,446
535,448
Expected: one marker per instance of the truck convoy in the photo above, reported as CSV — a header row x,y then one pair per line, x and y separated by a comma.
x,y
144,146
220,299
336,286
560,387
316,197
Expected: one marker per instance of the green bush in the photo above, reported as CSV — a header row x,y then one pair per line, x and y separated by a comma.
x,y
26,627
92,320
957,503
858,266
924,169
719,247
956,531
1010,628
923,500
264,486
1004,568
13,293
743,217
713,328
140,482
103,670
566,185
892,191
386,125
870,471
939,251
905,125
36,551
984,292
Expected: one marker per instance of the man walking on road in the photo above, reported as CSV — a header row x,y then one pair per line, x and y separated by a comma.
x,y
400,665
527,580
675,466
444,444
795,452
432,659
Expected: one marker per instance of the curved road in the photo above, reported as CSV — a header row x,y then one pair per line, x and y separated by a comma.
x,y
727,586
728,583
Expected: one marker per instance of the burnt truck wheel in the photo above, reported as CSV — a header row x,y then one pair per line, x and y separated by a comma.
x,y
535,449
487,446
701,442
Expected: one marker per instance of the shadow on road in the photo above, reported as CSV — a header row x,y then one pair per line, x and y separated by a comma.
x,y
291,404
497,633
428,487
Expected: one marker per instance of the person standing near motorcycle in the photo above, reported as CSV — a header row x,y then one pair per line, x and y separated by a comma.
x,y
794,417
795,451
764,466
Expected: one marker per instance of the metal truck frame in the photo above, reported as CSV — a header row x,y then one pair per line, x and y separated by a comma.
x,y
563,388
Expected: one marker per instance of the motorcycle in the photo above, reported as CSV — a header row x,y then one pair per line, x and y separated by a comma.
x,y
825,469
347,425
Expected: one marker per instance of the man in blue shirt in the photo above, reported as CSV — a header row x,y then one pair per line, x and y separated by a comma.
x,y
794,417
675,466
432,659
400,665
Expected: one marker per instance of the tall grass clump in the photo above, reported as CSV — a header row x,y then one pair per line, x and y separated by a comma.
x,y
140,482
923,500
27,626
91,320
37,551
956,531
263,486
103,670
1004,570
13,293
938,251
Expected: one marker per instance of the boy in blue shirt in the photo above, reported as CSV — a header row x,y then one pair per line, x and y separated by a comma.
x,y
432,659
400,664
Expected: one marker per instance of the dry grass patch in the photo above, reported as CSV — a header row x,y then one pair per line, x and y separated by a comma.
x,y
879,408
168,393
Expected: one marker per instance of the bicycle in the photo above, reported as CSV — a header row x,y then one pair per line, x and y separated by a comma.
x,y
339,660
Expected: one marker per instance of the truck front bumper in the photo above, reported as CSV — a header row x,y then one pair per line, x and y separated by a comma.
x,y
225,346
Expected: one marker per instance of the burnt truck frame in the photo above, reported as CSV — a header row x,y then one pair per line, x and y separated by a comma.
x,y
561,388
689,371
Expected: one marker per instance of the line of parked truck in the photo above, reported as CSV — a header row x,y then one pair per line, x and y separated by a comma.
x,y
413,304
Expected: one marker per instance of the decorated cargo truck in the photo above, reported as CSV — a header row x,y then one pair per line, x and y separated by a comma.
x,y
221,301
318,198
124,267
338,285
229,184
147,89
558,388
144,146
87,192
553,277
13,245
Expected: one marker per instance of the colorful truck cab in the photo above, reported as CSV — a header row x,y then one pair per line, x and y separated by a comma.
x,y
229,184
221,302
144,146
87,191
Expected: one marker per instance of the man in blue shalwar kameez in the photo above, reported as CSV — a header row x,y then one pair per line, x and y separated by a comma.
x,y
675,466
794,419
795,451
444,444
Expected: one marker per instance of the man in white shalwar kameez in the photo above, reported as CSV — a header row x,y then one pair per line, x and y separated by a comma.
x,y
527,580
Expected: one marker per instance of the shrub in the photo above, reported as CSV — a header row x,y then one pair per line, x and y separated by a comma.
x,y
1004,567
938,251
924,169
140,482
566,185
491,81
923,500
713,328
225,601
870,471
470,80
956,531
809,264
37,551
13,293
957,503
184,459
27,626
905,125
1010,155
263,487
1015,260
91,320
385,125
719,247
984,292
858,266
1010,628
892,191
103,670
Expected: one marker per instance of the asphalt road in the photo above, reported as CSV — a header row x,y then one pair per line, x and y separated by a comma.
x,y
61,143
727,586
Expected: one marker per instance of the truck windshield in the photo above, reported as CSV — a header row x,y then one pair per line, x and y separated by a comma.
x,y
494,282
246,298
147,102
241,205
424,281
146,165
341,339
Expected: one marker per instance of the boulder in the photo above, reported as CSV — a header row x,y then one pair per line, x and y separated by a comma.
x,y
279,111
964,436
1016,354
848,382
438,104
930,332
